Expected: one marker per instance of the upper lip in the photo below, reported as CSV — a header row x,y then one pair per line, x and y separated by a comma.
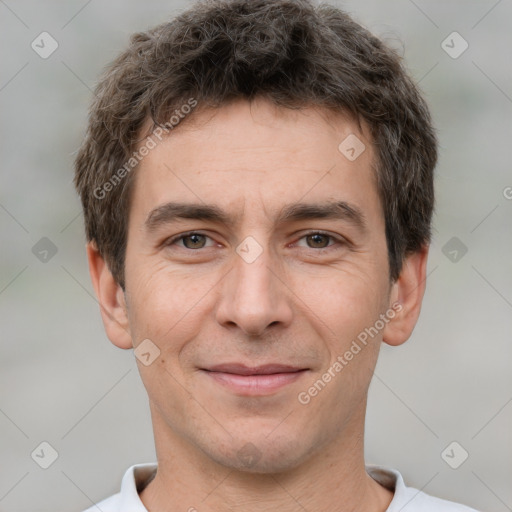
x,y
266,369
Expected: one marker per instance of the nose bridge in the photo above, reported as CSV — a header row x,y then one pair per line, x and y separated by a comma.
x,y
252,296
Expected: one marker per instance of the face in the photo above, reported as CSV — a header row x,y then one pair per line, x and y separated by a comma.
x,y
256,255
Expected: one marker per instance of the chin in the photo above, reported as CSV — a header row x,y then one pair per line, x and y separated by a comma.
x,y
260,454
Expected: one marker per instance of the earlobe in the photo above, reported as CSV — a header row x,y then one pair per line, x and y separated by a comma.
x,y
111,299
407,291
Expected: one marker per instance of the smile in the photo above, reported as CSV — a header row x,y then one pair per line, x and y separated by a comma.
x,y
258,381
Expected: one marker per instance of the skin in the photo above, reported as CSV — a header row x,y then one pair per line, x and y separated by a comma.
x,y
202,304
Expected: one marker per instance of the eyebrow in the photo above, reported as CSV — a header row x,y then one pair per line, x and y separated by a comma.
x,y
338,210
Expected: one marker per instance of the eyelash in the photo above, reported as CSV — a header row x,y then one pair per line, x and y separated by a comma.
x,y
340,241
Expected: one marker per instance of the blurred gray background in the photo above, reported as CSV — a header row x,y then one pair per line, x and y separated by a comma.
x,y
63,383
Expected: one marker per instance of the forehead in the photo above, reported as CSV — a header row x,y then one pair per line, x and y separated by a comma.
x,y
244,154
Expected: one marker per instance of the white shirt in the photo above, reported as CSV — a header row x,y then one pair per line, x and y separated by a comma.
x,y
406,499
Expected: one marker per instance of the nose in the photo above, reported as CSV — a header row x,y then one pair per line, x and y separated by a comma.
x,y
254,295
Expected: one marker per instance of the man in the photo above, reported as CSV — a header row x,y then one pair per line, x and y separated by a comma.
x,y
257,185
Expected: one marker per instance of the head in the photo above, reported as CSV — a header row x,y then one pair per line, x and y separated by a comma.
x,y
294,146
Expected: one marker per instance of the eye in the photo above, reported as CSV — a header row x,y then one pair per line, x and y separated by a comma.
x,y
320,240
191,240
315,240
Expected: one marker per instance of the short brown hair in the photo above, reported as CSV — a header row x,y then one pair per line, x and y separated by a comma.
x,y
290,52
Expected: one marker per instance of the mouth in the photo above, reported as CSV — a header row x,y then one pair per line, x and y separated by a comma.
x,y
254,381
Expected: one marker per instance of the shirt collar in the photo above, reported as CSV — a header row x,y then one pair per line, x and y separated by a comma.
x,y
134,480
139,475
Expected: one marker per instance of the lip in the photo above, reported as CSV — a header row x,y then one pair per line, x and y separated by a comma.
x,y
265,369
254,381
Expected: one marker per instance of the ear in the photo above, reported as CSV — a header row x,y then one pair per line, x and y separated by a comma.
x,y
406,297
111,298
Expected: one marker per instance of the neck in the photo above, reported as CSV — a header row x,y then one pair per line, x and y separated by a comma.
x,y
333,479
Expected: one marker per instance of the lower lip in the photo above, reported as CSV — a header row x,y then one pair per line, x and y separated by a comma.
x,y
253,385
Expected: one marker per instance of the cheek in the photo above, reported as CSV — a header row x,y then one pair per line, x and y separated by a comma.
x,y
335,395
349,306
346,301
163,304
